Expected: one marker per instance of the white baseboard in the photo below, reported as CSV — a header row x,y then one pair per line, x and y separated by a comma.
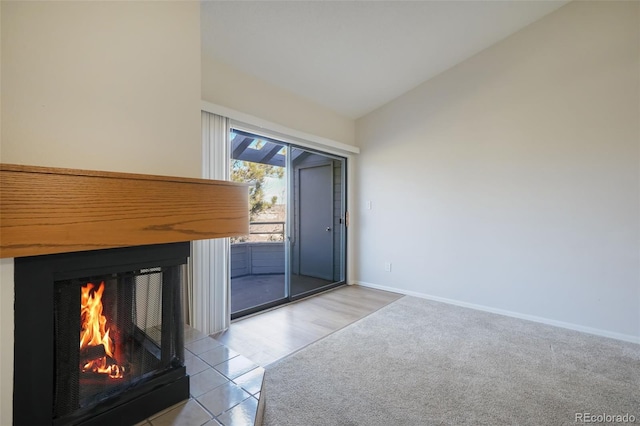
x,y
562,324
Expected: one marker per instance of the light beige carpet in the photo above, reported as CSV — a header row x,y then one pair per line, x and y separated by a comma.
x,y
417,362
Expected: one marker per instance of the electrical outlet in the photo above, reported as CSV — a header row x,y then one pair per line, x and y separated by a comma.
x,y
387,266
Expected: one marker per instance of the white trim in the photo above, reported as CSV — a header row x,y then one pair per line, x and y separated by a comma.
x,y
286,134
561,324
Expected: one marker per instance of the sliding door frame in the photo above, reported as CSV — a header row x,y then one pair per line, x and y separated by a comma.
x,y
343,218
254,124
289,171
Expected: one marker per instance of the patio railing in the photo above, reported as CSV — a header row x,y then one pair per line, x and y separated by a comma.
x,y
257,258
254,231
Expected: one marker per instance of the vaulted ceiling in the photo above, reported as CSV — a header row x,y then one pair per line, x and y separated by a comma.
x,y
354,56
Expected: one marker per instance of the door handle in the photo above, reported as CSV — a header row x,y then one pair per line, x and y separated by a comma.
x,y
328,229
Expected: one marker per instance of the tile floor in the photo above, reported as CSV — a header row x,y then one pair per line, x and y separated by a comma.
x,y
225,387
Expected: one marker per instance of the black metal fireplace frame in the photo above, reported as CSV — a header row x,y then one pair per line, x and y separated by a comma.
x,y
34,350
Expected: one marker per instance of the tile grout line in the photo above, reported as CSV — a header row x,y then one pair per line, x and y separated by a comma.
x,y
148,421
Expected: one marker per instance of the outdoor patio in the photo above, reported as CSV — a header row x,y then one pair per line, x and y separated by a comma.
x,y
254,290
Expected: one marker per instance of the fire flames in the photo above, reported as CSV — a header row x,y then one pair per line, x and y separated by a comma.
x,y
97,348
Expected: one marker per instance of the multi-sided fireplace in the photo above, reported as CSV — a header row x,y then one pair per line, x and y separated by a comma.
x,y
99,335
99,262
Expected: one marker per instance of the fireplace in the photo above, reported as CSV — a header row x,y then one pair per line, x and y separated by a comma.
x,y
121,238
99,335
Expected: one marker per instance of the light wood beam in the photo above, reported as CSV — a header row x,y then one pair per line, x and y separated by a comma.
x,y
48,210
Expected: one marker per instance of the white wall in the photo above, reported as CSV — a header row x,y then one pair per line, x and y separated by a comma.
x,y
511,181
102,85
96,85
225,86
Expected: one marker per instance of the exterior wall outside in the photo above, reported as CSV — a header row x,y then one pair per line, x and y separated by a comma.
x,y
511,181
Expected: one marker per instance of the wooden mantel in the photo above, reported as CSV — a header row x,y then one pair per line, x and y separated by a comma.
x,y
49,210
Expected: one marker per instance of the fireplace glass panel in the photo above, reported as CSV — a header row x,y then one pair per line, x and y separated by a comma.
x,y
99,335
116,340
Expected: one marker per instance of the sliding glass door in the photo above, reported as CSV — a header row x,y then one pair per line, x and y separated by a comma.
x,y
296,245
317,230
258,260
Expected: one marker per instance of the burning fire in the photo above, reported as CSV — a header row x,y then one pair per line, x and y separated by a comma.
x,y
96,347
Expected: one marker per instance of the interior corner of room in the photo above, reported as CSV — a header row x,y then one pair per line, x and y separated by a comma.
x,y
508,182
